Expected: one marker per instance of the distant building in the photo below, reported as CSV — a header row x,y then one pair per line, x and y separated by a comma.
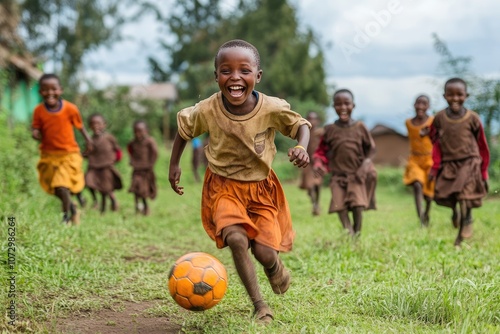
x,y
392,147
18,84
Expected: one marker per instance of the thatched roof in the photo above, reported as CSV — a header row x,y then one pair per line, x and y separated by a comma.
x,y
12,50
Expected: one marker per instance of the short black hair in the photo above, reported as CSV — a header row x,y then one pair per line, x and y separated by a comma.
x,y
425,96
96,114
239,43
343,90
455,80
47,76
141,121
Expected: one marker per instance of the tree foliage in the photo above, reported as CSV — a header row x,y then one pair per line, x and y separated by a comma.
x,y
292,60
64,31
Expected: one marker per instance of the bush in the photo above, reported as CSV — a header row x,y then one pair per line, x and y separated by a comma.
x,y
18,156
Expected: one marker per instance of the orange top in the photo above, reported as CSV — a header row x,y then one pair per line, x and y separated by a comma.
x,y
419,145
57,127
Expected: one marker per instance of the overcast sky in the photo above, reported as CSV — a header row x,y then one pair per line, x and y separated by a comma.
x,y
381,50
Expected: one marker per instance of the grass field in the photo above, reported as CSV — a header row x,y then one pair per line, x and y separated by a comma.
x,y
397,278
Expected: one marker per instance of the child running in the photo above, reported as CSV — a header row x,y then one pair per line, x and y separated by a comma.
x,y
60,166
346,151
243,203
420,160
143,154
311,181
101,175
461,157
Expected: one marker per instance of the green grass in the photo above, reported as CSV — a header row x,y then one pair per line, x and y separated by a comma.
x,y
396,278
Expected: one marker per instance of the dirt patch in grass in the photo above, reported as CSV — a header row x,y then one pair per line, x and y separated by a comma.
x,y
128,318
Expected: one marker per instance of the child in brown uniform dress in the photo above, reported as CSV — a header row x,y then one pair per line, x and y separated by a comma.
x,y
346,150
101,175
461,157
311,181
420,160
243,204
143,154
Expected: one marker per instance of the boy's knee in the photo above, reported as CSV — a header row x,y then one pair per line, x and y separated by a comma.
x,y
265,255
235,237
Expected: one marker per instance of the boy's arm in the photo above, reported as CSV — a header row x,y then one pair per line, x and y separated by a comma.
x,y
298,154
154,154
174,172
319,158
88,143
484,152
36,134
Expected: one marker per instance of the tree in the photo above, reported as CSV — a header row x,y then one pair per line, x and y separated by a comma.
x,y
64,31
292,60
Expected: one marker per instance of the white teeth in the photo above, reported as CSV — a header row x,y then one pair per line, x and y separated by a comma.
x,y
236,87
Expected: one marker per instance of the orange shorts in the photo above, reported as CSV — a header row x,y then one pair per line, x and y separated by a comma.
x,y
260,206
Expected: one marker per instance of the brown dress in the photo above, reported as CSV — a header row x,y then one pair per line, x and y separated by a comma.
x,y
101,174
309,178
143,155
345,148
460,173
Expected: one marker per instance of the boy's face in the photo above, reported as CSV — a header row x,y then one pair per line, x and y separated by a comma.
x,y
97,125
455,94
421,105
140,131
237,74
313,119
50,90
343,105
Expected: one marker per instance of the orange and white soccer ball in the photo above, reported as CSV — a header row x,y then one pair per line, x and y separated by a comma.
x,y
197,281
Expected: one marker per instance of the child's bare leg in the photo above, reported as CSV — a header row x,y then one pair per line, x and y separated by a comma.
x,y
465,230
81,200
236,238
278,276
346,222
65,196
114,202
314,195
145,211
103,202
418,194
136,201
357,215
95,204
428,202
455,217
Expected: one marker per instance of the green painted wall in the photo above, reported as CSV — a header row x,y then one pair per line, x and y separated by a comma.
x,y
20,100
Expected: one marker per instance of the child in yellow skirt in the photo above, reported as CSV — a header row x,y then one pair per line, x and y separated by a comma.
x,y
243,203
60,166
419,162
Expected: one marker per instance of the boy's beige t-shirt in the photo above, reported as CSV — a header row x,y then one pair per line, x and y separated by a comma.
x,y
240,147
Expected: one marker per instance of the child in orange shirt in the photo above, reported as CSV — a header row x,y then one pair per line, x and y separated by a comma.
x,y
420,160
60,166
243,203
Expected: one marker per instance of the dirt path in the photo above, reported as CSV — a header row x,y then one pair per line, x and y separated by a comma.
x,y
131,318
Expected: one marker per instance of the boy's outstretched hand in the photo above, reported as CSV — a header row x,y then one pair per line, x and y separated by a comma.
x,y
298,155
174,176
